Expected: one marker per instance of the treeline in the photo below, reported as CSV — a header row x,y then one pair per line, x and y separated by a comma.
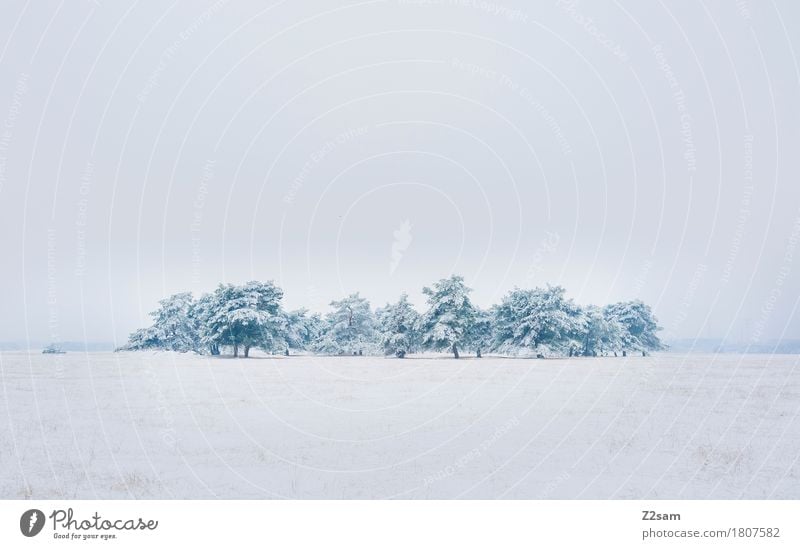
x,y
238,318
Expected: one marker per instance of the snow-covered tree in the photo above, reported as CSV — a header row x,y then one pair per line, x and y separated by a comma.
x,y
481,336
600,333
640,327
174,328
143,338
175,323
398,326
349,328
450,315
258,321
210,326
243,316
541,319
302,329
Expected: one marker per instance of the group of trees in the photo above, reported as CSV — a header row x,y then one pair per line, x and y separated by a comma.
x,y
540,320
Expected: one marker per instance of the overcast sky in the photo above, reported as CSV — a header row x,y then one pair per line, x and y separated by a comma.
x,y
624,150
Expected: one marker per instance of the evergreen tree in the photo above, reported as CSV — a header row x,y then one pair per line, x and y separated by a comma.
x,y
481,336
143,338
244,316
174,328
541,319
398,326
639,325
302,329
174,322
349,328
450,315
209,325
600,333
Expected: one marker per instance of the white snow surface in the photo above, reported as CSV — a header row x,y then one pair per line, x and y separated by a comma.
x,y
168,425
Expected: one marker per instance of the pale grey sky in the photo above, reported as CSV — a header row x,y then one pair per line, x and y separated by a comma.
x,y
621,149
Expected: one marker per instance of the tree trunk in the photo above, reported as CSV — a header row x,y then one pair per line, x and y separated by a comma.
x,y
455,350
235,350
478,353
214,350
247,351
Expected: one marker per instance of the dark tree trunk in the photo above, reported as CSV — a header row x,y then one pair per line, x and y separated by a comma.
x,y
215,350
235,350
287,352
478,353
455,350
624,353
247,351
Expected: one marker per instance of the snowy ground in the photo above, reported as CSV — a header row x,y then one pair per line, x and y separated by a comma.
x,y
161,425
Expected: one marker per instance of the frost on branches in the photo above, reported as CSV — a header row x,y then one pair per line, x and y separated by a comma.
x,y
349,328
174,327
399,328
540,321
243,317
449,317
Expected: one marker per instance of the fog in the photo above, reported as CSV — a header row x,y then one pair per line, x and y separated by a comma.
x,y
622,150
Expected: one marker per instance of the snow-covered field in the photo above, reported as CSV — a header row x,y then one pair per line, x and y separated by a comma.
x,y
162,425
